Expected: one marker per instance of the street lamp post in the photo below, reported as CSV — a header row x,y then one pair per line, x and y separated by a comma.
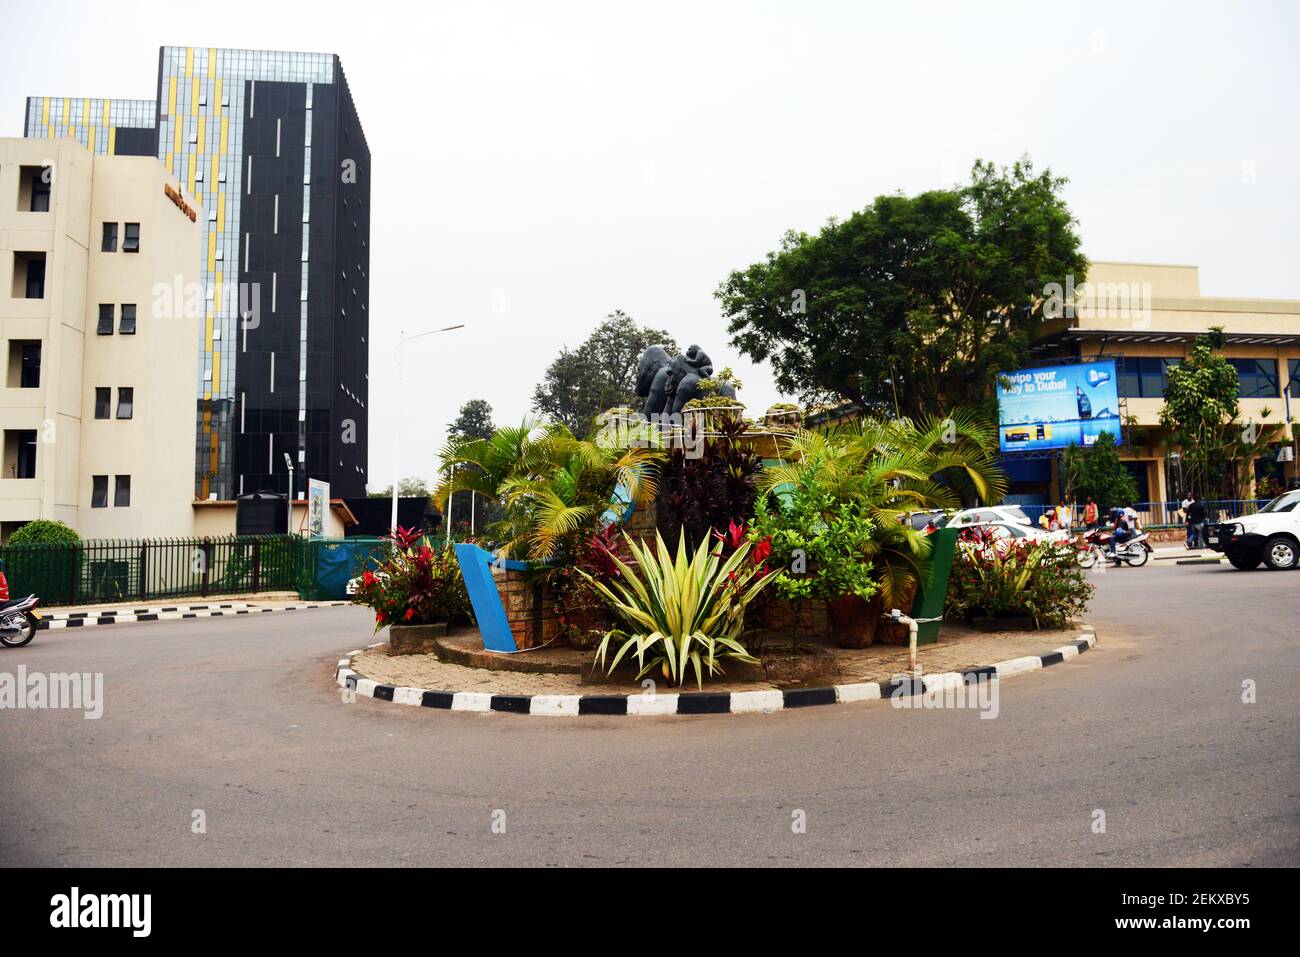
x,y
288,463
402,342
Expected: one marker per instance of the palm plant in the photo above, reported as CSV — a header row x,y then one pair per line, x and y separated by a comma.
x,y
684,612
893,467
552,487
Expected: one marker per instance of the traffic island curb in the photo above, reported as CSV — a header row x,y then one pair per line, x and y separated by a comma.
x,y
169,613
689,703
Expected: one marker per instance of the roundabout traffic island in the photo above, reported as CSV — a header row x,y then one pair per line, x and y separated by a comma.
x,y
562,681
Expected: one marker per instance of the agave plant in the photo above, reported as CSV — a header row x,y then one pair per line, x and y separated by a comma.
x,y
681,613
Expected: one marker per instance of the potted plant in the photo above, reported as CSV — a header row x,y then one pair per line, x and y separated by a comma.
x,y
416,591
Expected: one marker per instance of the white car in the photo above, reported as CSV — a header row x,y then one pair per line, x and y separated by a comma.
x,y
1271,535
1011,514
1014,531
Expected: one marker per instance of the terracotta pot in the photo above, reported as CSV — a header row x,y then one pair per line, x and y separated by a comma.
x,y
853,620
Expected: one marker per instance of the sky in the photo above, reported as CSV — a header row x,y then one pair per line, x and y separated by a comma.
x,y
537,166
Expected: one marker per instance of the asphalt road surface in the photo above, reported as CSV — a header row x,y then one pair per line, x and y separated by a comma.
x,y
238,718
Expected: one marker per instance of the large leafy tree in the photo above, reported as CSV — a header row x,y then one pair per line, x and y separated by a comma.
x,y
915,303
600,374
474,421
1097,473
1203,415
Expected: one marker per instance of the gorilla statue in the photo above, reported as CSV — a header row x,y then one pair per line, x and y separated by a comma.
x,y
668,383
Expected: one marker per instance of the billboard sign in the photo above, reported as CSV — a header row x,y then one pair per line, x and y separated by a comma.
x,y
318,502
1053,407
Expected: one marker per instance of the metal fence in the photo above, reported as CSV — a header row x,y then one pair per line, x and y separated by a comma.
x,y
1155,514
148,569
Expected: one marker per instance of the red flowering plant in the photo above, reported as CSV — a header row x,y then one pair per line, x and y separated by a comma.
x,y
583,614
415,584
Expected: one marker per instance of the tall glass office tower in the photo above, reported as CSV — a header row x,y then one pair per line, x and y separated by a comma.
x,y
270,145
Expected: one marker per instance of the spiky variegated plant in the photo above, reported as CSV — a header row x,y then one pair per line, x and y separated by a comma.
x,y
681,613
894,467
552,487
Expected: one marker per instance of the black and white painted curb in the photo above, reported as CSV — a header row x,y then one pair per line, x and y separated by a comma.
x,y
90,619
735,702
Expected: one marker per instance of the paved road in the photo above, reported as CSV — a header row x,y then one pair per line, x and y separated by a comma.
x,y
239,718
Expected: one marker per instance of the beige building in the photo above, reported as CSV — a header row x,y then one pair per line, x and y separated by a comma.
x,y
97,410
1149,316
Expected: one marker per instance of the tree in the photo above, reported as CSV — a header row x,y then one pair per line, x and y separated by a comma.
x,y
914,304
409,487
1202,413
44,531
600,374
473,422
1097,473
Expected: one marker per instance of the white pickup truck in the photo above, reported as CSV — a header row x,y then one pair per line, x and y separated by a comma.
x,y
1271,535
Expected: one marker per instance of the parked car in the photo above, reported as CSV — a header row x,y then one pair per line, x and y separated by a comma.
x,y
1014,531
1011,514
1271,535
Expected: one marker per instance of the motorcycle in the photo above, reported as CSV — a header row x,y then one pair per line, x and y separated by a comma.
x,y
18,619
1096,546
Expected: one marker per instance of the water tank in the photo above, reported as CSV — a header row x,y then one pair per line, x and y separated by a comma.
x,y
261,513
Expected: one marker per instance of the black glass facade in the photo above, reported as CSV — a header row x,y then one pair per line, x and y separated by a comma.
x,y
270,145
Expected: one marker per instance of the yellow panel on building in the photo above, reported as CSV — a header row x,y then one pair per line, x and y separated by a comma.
x,y
112,142
171,96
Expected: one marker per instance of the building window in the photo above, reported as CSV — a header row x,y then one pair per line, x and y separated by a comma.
x,y
1293,374
29,275
1143,377
20,453
41,193
109,242
122,491
127,325
24,365
1256,378
34,184
125,402
103,401
99,491
131,238
105,327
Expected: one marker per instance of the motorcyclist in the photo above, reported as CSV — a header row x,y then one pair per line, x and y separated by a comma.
x,y
1123,531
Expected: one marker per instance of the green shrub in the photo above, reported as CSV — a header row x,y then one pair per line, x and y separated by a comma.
x,y
44,532
1042,581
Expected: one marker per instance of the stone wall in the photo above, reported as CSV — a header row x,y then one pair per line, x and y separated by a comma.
x,y
530,609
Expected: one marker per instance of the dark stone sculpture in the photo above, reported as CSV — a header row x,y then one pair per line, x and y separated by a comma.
x,y
668,383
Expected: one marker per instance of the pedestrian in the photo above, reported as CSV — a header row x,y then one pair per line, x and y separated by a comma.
x,y
1063,517
1196,517
1090,514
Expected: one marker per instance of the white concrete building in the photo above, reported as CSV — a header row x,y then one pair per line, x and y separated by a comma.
x,y
99,349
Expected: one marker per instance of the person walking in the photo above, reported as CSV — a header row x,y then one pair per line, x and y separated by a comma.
x,y
1195,510
1090,514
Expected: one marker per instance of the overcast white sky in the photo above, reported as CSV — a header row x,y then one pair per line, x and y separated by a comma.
x,y
566,159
